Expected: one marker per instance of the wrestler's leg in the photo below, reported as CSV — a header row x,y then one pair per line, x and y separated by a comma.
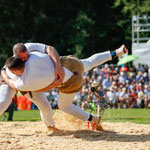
x,y
100,58
95,60
6,95
65,104
44,106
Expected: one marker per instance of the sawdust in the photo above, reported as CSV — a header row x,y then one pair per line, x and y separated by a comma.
x,y
75,135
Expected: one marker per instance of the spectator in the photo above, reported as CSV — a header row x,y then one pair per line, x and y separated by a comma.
x,y
112,97
139,77
145,78
147,104
132,99
131,77
77,99
123,98
85,104
141,99
11,108
54,104
123,84
122,77
124,69
106,83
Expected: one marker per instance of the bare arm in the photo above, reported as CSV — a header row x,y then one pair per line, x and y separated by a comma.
x,y
59,71
9,81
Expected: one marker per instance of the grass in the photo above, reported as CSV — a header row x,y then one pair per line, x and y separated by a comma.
x,y
25,115
140,116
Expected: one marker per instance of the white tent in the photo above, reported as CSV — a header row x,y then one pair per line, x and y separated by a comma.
x,y
142,50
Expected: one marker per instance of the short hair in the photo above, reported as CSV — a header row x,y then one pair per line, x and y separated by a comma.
x,y
19,48
14,63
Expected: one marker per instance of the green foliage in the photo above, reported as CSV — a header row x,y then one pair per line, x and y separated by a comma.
x,y
82,27
3,58
145,7
73,27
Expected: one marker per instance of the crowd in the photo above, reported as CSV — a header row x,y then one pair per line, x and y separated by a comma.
x,y
124,87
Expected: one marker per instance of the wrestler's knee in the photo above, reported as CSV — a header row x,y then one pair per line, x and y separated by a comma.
x,y
64,107
3,106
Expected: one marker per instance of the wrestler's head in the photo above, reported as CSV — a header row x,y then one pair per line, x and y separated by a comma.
x,y
15,65
21,51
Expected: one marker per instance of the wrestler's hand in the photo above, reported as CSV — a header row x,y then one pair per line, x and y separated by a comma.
x,y
57,81
59,73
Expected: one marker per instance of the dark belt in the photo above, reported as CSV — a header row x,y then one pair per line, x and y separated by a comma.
x,y
75,73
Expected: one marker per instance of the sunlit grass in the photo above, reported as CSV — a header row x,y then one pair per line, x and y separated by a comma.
x,y
141,116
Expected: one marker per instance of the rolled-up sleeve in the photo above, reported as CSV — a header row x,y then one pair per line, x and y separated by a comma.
x,y
36,47
20,85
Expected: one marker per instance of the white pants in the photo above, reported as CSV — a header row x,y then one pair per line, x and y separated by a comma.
x,y
7,93
65,100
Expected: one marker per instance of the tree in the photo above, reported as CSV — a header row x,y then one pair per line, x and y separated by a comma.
x,y
74,27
